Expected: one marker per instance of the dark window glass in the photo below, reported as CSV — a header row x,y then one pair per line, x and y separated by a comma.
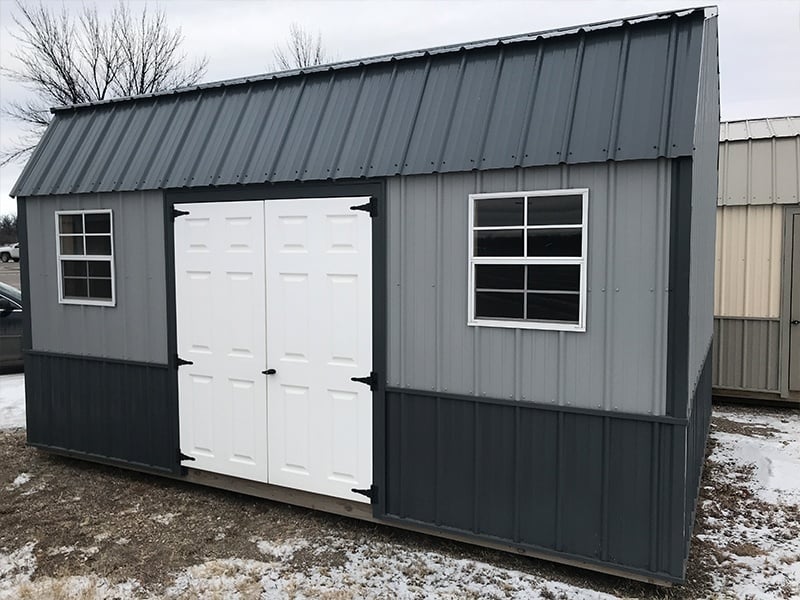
x,y
566,278
70,223
555,210
99,268
554,242
499,305
98,222
75,288
99,244
100,288
500,277
553,307
499,212
71,244
73,268
499,243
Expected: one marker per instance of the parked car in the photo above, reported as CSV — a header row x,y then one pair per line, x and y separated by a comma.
x,y
10,327
9,252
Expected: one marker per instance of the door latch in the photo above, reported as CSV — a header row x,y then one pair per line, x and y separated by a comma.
x,y
371,493
371,380
795,322
269,372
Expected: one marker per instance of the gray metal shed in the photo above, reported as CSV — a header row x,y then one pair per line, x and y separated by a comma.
x,y
466,290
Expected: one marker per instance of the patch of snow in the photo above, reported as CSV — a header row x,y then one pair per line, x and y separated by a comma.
x,y
88,586
12,401
164,519
282,551
16,568
21,479
227,578
760,544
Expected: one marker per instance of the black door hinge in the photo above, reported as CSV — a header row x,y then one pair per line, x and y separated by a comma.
x,y
178,213
179,362
371,380
371,207
182,456
371,493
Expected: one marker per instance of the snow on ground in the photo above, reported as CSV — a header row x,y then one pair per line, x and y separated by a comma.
x,y
750,519
759,453
12,401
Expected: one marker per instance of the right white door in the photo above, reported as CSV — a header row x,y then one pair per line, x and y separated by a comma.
x,y
319,336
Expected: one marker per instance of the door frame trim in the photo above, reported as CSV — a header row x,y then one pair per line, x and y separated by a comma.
x,y
375,188
784,365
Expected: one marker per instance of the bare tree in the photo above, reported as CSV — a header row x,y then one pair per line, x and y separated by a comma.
x,y
65,59
301,50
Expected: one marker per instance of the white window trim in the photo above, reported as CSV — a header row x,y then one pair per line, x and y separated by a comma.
x,y
90,257
582,261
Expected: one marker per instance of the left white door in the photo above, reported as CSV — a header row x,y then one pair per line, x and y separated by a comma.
x,y
220,313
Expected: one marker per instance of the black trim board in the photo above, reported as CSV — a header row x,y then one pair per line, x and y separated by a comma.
x,y
680,237
25,280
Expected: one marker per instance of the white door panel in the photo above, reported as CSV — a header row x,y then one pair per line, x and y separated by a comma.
x,y
319,335
220,298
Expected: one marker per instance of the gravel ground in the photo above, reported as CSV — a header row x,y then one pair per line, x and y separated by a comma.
x,y
70,529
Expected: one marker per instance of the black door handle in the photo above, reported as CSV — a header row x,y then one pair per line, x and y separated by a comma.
x,y
269,372
795,322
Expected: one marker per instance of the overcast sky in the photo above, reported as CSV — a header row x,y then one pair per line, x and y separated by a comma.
x,y
759,41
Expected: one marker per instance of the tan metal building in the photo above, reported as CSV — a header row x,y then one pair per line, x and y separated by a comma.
x,y
757,287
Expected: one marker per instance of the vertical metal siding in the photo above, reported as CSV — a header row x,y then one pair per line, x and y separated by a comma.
x,y
102,410
759,171
605,488
749,248
136,328
617,364
704,191
746,354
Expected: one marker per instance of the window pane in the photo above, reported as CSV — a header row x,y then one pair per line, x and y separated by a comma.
x,y
553,307
99,268
70,223
98,244
98,222
75,288
565,278
71,244
554,242
73,268
502,305
499,212
555,210
500,277
499,243
100,289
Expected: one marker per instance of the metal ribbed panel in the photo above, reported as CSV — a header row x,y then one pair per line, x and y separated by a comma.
x,y
746,354
136,328
618,364
759,172
703,221
748,261
752,129
624,91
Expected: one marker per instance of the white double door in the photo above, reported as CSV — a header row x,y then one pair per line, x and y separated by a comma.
x,y
283,285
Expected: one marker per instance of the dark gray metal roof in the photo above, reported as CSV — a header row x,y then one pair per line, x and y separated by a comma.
x,y
620,90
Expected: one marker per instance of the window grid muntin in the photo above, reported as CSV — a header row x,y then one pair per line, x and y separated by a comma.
x,y
106,258
579,261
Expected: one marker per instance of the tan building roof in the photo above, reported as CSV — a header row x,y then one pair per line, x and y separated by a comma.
x,y
756,129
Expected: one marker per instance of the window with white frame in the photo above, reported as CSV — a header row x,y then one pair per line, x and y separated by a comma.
x,y
528,259
85,249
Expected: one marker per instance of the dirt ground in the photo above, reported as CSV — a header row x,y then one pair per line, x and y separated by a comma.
x,y
89,519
